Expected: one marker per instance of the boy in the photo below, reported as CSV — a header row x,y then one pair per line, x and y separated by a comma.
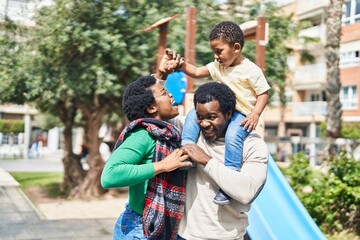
x,y
247,82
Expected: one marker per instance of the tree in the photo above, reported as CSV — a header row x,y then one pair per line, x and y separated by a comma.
x,y
333,34
12,61
282,29
79,58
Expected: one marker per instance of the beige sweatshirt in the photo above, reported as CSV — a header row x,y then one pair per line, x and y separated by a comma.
x,y
204,219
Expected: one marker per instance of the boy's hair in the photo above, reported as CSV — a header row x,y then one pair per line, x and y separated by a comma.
x,y
138,97
216,91
229,32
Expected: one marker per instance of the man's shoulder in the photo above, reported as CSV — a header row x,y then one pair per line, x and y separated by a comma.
x,y
255,138
178,121
254,141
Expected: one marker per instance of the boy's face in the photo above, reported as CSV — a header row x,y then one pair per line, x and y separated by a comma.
x,y
212,122
225,54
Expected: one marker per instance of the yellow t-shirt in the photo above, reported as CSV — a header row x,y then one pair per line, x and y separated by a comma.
x,y
246,80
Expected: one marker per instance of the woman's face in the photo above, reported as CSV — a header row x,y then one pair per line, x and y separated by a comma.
x,y
163,103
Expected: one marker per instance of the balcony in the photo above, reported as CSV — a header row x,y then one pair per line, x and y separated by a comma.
x,y
305,109
310,8
309,77
315,32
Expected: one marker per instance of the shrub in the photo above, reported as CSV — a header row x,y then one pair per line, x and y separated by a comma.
x,y
334,203
11,126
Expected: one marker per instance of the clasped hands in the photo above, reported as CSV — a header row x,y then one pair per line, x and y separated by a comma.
x,y
171,61
177,159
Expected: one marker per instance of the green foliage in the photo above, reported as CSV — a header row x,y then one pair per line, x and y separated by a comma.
x,y
348,130
48,121
12,64
11,126
334,202
281,30
299,171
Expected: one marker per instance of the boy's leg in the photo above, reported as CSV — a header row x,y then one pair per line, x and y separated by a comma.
x,y
191,129
190,133
234,140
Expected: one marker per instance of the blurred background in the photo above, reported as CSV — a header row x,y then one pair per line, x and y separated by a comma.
x,y
65,64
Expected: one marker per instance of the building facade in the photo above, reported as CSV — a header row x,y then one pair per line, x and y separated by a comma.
x,y
307,106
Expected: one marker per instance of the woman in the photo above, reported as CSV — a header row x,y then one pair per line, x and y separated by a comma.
x,y
156,196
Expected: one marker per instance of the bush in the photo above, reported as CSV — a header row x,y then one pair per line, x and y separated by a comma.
x,y
299,172
335,199
11,126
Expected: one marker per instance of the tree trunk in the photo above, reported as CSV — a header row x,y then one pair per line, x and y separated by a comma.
x,y
282,126
73,171
333,87
90,186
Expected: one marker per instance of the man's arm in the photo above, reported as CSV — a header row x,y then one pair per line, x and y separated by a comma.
x,y
243,186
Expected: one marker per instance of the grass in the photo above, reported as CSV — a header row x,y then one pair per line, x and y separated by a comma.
x,y
48,181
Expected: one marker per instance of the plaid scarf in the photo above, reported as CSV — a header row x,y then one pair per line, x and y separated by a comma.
x,y
165,195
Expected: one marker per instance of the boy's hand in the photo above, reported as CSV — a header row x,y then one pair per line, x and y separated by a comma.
x,y
251,121
170,61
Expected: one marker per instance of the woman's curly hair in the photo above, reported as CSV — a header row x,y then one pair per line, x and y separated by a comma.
x,y
216,91
138,97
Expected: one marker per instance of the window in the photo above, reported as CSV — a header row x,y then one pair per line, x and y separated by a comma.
x,y
349,58
5,138
351,11
314,97
349,97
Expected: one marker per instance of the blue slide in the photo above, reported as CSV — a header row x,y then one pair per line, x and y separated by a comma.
x,y
278,214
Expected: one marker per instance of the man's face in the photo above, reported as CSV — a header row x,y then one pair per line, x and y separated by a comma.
x,y
212,122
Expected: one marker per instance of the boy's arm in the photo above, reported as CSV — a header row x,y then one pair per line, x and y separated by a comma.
x,y
193,71
252,119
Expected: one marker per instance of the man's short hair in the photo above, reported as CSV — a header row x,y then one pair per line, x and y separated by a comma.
x,y
216,91
229,32
138,97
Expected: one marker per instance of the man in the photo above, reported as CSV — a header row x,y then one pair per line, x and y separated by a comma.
x,y
214,103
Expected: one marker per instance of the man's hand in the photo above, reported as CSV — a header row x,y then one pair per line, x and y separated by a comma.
x,y
196,154
250,122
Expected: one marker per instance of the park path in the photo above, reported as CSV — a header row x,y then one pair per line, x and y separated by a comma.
x,y
22,220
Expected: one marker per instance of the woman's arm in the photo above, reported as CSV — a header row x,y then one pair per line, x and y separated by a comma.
x,y
131,163
127,164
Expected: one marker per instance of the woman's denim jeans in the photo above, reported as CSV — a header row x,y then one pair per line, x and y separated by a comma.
x,y
129,226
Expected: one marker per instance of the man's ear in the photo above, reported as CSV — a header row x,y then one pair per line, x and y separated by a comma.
x,y
152,109
228,115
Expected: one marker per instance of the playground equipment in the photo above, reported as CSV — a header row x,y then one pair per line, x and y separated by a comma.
x,y
278,214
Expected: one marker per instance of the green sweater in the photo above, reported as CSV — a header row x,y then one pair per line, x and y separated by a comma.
x,y
131,165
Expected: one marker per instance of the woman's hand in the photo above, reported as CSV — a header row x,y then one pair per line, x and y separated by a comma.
x,y
170,61
171,162
196,154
